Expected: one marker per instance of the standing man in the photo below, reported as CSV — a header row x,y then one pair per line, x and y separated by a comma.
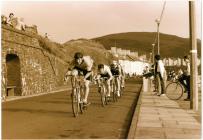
x,y
160,72
186,77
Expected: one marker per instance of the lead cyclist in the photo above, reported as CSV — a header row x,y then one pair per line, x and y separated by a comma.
x,y
82,65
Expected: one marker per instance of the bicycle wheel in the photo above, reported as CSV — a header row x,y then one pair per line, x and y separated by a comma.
x,y
174,91
103,96
121,91
114,93
81,96
75,102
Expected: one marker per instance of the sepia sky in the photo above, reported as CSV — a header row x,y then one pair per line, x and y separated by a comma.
x,y
66,20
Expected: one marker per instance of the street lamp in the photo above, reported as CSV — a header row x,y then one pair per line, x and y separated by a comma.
x,y
151,59
153,53
158,23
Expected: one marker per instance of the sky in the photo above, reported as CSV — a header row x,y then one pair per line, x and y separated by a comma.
x,y
66,20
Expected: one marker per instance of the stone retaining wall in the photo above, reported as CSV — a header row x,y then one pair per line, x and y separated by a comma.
x,y
40,71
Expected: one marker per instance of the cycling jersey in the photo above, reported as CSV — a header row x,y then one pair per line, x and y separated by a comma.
x,y
106,73
115,69
85,67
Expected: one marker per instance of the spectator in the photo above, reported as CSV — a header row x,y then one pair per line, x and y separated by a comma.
x,y
146,70
160,72
148,73
46,35
186,77
3,19
12,20
21,25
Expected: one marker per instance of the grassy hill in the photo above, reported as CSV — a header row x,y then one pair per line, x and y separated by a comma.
x,y
67,50
170,45
88,47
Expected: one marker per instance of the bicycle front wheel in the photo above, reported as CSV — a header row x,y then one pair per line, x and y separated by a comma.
x,y
75,102
114,93
174,91
103,96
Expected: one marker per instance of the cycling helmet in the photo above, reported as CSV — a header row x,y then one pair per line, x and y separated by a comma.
x,y
78,55
100,66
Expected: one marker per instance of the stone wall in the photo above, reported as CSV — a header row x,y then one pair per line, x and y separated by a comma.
x,y
40,71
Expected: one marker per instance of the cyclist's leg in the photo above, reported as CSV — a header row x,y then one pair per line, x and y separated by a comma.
x,y
122,81
108,85
98,81
74,74
87,82
118,86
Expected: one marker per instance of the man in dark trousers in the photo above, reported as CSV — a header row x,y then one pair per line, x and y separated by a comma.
x,y
186,77
160,73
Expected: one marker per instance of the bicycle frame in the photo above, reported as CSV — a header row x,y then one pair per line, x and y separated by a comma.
x,y
114,87
103,90
77,94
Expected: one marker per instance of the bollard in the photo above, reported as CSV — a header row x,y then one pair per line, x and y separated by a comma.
x,y
145,85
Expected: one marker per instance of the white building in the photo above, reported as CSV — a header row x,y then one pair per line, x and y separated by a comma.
x,y
131,67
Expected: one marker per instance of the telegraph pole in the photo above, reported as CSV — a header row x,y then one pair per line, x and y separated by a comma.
x,y
193,57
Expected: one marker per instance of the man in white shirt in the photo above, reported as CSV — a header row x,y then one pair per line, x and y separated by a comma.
x,y
161,73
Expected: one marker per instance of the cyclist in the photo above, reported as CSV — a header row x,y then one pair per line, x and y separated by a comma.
x,y
82,65
122,76
116,71
105,72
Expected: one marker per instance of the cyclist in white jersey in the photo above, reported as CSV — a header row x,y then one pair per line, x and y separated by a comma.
x,y
116,70
104,71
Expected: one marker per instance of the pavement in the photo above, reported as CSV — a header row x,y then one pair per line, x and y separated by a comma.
x,y
161,118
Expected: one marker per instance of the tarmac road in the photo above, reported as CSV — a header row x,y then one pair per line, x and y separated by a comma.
x,y
50,116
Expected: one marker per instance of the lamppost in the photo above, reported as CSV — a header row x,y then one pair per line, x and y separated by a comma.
x,y
158,23
153,53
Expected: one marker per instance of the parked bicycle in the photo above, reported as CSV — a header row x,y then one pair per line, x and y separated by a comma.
x,y
174,90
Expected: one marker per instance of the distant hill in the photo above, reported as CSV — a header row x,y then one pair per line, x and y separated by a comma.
x,y
170,45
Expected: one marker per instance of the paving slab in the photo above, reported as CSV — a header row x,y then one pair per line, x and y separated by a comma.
x,y
161,118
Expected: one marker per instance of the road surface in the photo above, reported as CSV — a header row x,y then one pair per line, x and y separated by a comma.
x,y
50,116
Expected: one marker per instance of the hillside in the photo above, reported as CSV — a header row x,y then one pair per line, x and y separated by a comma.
x,y
170,45
67,50
88,47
